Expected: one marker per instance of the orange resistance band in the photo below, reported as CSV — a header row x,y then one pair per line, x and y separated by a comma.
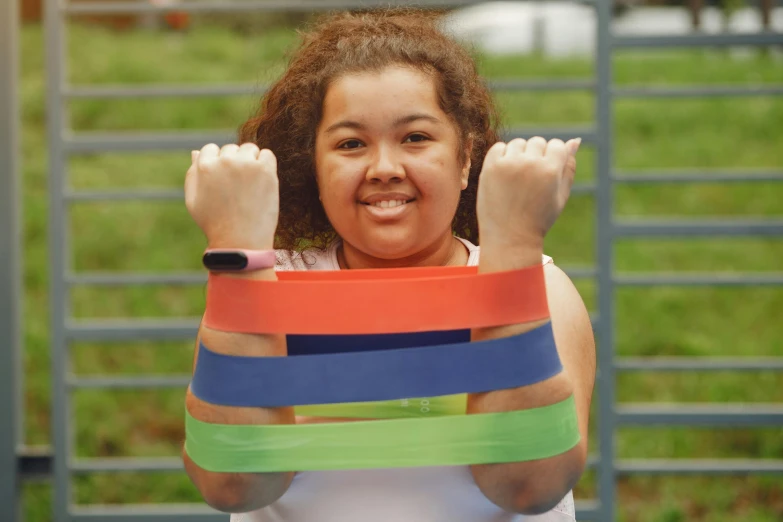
x,y
376,301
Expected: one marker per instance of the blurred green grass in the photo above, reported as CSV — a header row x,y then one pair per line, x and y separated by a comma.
x,y
743,133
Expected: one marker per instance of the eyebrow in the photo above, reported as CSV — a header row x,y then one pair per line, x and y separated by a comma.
x,y
350,124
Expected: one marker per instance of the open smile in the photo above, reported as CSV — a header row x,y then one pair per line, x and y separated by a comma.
x,y
387,203
387,209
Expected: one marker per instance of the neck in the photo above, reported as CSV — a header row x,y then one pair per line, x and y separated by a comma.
x,y
448,252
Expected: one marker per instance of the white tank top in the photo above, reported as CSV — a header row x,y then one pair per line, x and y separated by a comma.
x,y
434,494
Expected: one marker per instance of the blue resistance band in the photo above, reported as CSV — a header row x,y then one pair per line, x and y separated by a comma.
x,y
431,371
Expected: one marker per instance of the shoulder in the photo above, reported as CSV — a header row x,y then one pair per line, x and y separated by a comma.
x,y
288,261
563,296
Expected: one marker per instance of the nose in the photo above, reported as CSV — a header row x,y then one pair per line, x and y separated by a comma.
x,y
385,166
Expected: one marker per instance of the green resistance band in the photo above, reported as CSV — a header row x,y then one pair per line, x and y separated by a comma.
x,y
441,441
398,409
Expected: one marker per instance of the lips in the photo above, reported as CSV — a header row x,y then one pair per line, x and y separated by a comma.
x,y
388,207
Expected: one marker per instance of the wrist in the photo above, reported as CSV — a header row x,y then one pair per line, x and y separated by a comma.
x,y
499,255
232,243
240,263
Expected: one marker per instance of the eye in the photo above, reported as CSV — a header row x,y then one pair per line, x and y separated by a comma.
x,y
416,138
350,144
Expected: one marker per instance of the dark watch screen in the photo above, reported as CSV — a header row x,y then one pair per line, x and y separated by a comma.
x,y
225,260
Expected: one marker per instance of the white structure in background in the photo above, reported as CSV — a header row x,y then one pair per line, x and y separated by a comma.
x,y
567,29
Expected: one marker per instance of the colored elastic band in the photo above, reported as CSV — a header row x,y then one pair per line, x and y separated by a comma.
x,y
431,371
400,409
321,344
443,441
316,302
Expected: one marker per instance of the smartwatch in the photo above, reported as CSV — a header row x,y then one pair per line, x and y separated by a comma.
x,y
237,260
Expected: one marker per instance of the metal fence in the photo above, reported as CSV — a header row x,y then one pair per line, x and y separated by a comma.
x,y
17,464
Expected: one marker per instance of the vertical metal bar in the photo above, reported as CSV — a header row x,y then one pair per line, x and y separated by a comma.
x,y
56,56
10,267
605,261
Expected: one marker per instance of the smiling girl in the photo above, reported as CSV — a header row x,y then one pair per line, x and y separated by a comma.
x,y
378,149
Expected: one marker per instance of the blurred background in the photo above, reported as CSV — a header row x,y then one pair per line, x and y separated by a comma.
x,y
133,91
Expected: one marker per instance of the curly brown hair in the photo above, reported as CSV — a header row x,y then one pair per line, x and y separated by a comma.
x,y
345,43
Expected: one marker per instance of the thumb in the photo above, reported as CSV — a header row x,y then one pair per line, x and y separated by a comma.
x,y
190,186
570,170
573,146
569,173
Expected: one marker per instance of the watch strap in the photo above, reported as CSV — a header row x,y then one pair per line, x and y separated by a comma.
x,y
237,259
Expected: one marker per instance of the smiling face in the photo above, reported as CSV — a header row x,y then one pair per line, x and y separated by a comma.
x,y
389,166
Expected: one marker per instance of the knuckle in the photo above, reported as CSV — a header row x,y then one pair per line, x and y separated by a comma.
x,y
208,164
267,158
526,160
552,168
225,161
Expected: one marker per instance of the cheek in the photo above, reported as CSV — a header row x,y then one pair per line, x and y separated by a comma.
x,y
337,182
443,178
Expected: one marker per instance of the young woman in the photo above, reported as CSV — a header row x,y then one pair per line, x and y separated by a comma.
x,y
376,149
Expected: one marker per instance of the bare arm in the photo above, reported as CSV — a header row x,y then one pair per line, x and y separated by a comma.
x,y
537,486
232,193
239,492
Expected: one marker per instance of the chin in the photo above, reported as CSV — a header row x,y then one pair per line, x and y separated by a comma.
x,y
391,252
389,247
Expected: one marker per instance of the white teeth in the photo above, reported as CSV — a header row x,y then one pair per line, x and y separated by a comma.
x,y
389,204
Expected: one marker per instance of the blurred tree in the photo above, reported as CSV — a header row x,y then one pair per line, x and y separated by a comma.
x,y
729,7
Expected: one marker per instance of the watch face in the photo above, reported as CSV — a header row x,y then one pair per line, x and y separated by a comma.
x,y
225,260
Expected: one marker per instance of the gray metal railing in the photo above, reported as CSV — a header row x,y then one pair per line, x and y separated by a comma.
x,y
17,464
11,425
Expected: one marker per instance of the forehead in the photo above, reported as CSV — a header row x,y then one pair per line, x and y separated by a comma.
x,y
379,94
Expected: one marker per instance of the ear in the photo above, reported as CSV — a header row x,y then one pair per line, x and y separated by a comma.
x,y
465,175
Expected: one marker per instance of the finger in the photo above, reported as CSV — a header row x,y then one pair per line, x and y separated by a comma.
x,y
557,152
193,156
249,150
495,151
516,146
267,157
536,146
210,151
229,150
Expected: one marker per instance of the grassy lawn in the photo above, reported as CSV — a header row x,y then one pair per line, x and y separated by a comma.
x,y
713,134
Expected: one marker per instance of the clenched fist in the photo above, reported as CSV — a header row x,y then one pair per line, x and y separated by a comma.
x,y
232,194
523,188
